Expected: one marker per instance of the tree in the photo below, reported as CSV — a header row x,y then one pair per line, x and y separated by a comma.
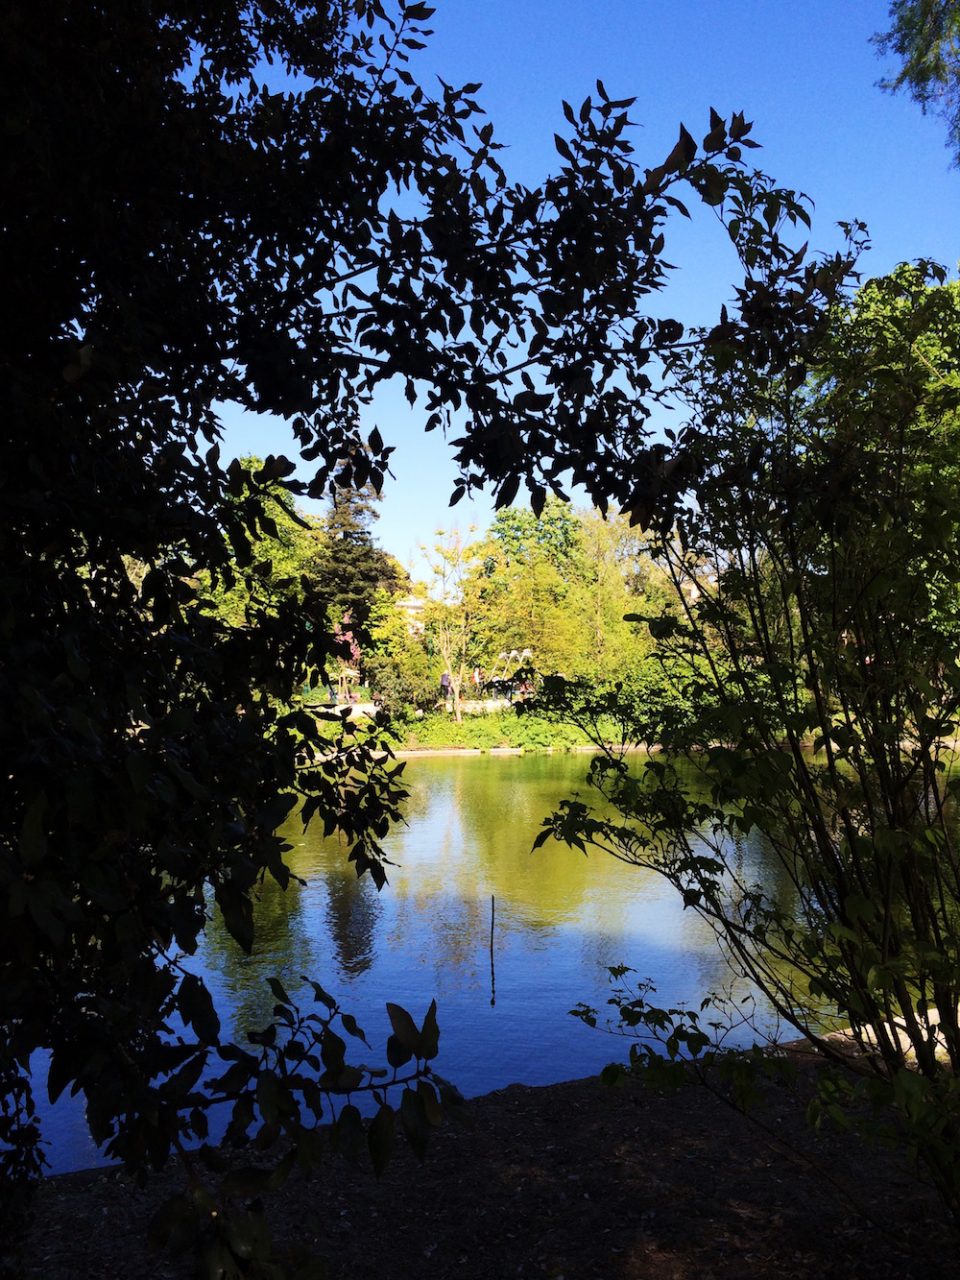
x,y
560,585
259,204
287,550
621,580
401,670
350,569
451,616
925,36
529,581
815,634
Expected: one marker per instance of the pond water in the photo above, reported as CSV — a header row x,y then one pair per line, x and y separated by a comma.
x,y
560,920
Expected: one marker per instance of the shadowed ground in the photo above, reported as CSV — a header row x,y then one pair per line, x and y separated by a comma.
x,y
571,1181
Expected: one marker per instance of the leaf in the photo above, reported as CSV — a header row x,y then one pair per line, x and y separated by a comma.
x,y
182,1082
404,1028
237,911
507,492
350,1026
431,1103
562,147
380,1138
397,1054
321,996
347,1132
430,1034
196,1008
413,1117
60,1072
276,986
172,1226
682,154
333,1051
273,1101
612,1074
663,627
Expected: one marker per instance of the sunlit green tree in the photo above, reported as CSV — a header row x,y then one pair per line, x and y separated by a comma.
x,y
816,632
529,582
399,664
286,552
453,612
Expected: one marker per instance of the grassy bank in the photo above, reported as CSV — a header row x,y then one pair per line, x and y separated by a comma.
x,y
485,732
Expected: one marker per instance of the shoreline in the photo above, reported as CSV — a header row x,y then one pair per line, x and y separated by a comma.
x,y
575,1180
406,753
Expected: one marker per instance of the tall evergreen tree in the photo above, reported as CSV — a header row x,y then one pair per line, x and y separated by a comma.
x,y
350,568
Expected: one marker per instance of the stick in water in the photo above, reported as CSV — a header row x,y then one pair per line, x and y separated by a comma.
x,y
493,975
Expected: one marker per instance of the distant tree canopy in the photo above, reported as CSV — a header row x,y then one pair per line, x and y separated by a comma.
x,y
259,204
559,586
925,36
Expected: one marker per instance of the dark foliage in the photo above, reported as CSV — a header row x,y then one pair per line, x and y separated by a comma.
x,y
257,203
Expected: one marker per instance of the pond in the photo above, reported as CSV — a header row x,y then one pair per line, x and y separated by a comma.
x,y
559,920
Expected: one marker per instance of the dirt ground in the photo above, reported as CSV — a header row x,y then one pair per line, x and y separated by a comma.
x,y
567,1182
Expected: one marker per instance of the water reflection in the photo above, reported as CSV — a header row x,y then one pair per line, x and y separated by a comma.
x,y
561,920
352,914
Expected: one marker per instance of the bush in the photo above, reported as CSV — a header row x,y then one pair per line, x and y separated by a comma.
x,y
500,729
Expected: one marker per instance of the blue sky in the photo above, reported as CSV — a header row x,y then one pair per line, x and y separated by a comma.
x,y
805,73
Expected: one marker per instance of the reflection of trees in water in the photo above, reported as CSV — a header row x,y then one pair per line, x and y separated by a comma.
x,y
500,805
292,937
471,823
448,933
353,914
473,837
283,946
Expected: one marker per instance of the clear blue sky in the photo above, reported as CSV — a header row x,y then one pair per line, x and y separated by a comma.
x,y
805,73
